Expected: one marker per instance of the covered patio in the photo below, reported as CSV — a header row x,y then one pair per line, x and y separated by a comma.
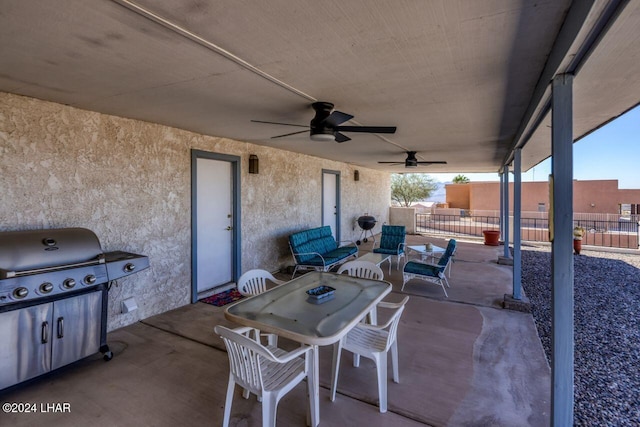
x,y
105,106
464,360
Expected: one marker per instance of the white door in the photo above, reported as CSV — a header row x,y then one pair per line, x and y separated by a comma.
x,y
214,200
330,212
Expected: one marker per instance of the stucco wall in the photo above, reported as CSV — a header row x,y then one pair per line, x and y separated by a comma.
x,y
457,195
403,216
129,182
591,196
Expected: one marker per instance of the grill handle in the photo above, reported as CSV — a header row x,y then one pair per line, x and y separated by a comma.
x,y
60,327
45,332
7,274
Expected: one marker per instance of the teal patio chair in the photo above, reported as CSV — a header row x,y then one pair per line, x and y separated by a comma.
x,y
392,242
434,273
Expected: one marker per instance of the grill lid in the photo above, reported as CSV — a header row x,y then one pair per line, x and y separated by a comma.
x,y
366,222
26,251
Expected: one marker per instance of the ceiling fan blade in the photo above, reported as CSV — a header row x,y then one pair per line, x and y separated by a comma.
x,y
341,137
369,129
336,118
436,162
289,134
392,163
277,123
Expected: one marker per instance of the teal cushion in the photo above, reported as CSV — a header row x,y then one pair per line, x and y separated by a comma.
x,y
316,240
388,251
423,269
343,252
451,247
328,243
392,236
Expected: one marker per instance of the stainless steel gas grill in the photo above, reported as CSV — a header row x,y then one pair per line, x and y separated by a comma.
x,y
54,298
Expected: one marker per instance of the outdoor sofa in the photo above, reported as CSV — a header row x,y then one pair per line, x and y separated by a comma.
x,y
316,249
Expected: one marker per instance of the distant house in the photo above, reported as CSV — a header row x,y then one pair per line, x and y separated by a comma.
x,y
423,205
596,196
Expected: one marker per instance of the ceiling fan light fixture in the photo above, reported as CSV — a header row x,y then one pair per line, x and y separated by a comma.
x,y
322,137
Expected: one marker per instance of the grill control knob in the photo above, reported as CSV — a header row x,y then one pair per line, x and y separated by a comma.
x,y
20,292
90,279
129,267
69,283
46,287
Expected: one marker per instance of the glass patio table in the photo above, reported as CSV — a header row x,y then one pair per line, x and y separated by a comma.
x,y
288,311
425,253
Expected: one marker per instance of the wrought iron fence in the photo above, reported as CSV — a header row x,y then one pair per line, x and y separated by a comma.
x,y
621,233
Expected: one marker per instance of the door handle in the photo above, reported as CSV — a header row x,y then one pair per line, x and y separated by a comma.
x,y
229,228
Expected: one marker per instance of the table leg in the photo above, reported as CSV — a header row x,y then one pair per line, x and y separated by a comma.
x,y
314,379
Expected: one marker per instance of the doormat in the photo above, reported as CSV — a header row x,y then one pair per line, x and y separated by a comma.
x,y
223,298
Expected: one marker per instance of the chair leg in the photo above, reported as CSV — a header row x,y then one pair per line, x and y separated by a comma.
x,y
381,368
229,400
373,316
404,281
335,368
269,405
443,288
356,360
272,340
394,361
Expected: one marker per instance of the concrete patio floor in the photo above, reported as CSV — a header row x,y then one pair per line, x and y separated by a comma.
x,y
464,361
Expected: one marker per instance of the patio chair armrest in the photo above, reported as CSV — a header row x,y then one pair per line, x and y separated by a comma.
x,y
293,354
387,304
309,253
348,243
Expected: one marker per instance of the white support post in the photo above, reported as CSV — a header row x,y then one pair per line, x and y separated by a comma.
x,y
502,205
517,230
505,234
562,252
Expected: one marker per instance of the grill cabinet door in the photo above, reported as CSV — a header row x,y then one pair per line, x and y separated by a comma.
x,y
25,351
76,328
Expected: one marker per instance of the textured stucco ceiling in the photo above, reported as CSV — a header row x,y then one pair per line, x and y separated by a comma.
x,y
460,79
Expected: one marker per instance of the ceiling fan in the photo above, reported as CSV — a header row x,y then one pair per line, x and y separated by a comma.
x,y
325,126
412,162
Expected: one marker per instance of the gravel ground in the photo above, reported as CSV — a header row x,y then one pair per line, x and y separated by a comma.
x,y
607,331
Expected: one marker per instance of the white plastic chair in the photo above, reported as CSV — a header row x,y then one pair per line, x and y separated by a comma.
x,y
372,342
366,270
268,372
254,282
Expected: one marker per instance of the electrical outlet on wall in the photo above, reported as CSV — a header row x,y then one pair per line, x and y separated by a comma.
x,y
129,305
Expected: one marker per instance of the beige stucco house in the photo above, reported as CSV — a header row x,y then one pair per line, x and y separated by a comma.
x,y
130,182
591,196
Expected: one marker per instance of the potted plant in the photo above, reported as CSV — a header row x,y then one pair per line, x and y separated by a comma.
x,y
578,233
491,237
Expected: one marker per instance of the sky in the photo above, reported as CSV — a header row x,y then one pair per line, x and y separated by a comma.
x,y
611,152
